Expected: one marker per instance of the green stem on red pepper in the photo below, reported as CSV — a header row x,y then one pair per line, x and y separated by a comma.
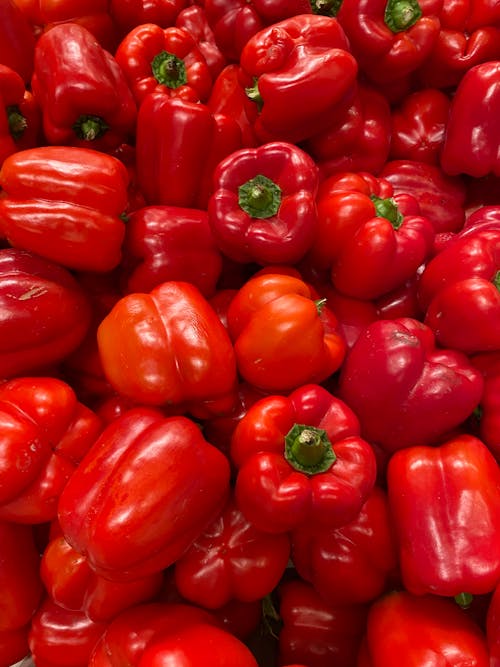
x,y
17,122
260,197
326,7
388,209
496,280
308,449
90,127
169,70
253,93
464,600
401,14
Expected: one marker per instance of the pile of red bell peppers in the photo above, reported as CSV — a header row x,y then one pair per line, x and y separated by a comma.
x,y
250,333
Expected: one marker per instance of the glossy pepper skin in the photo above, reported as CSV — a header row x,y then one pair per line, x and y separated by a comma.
x,y
389,38
301,461
187,481
371,241
194,20
127,14
466,149
18,44
45,313
425,629
405,390
263,205
167,346
352,564
296,72
458,291
231,560
64,203
445,548
50,430
178,145
268,319
164,60
82,91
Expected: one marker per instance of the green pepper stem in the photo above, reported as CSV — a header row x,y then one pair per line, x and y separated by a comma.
x,y
496,280
90,127
259,197
388,209
169,70
464,600
253,93
401,14
325,7
17,122
308,449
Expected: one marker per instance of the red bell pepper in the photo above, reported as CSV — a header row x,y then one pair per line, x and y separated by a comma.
x,y
128,14
64,203
424,629
17,46
441,197
458,291
418,126
62,638
177,349
231,560
45,313
283,336
450,546
487,415
194,20
72,584
187,484
357,138
370,243
50,430
13,646
263,205
82,91
170,243
472,137
354,563
405,390
293,102
390,39
19,576
314,632
493,628
301,462
164,60
179,144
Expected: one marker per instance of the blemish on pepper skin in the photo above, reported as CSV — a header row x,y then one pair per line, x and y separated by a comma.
x,y
33,293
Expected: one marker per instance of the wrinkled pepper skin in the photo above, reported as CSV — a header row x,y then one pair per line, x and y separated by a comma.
x,y
167,346
178,145
427,630
82,91
45,314
45,426
450,546
263,205
194,20
163,60
301,462
405,390
297,71
231,560
64,203
281,338
187,481
472,136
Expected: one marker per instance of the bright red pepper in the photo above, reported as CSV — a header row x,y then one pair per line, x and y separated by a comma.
x,y
472,136
418,126
176,347
405,390
301,461
283,337
128,14
45,313
450,546
297,71
82,91
73,585
179,144
164,60
194,20
170,243
17,46
315,633
426,630
187,483
64,203
354,563
390,38
50,430
458,291
263,205
13,646
493,628
231,560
